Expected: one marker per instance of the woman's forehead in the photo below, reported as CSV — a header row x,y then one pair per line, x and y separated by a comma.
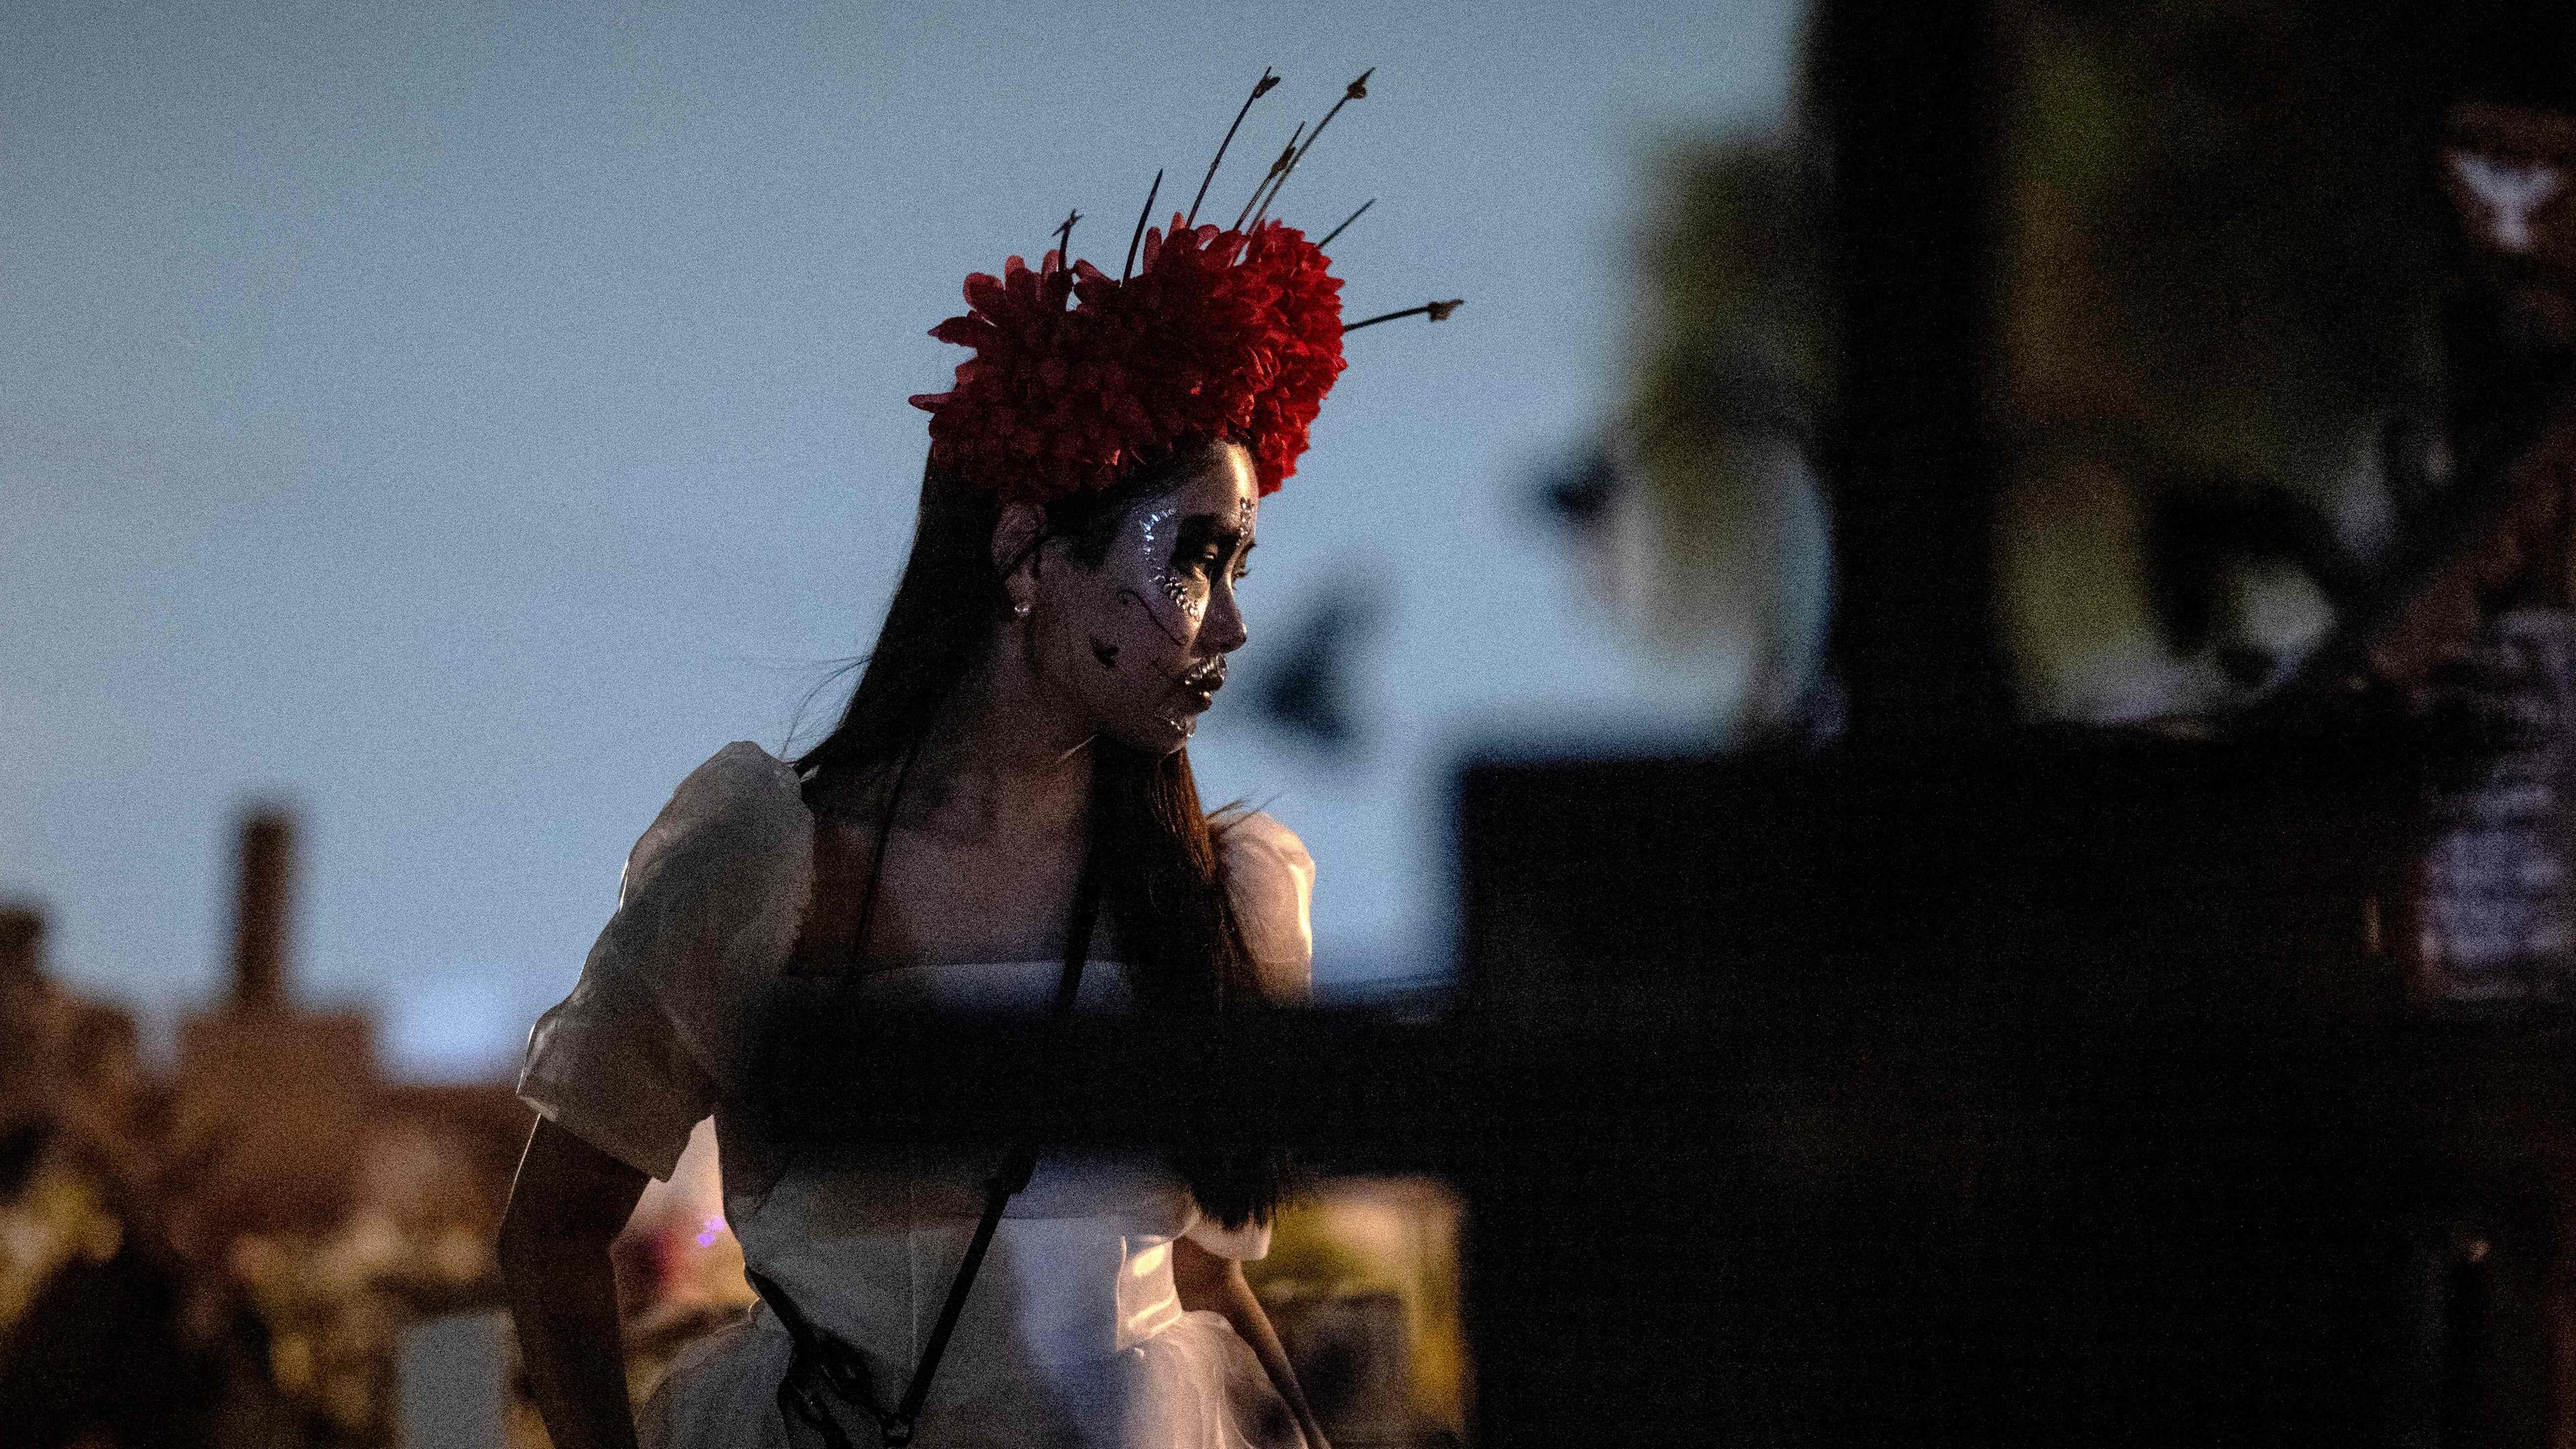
x,y
1227,483
1224,487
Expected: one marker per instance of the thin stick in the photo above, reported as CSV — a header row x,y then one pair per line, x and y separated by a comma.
x,y
1355,91
1139,234
1268,176
1437,311
1278,173
1346,221
1260,88
1064,240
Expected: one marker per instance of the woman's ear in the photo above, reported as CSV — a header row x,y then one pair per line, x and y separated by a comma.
x,y
1016,537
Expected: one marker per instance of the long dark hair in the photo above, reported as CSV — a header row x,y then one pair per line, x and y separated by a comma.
x,y
1162,884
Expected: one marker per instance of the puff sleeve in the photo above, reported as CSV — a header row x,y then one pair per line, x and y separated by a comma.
x,y
1271,880
654,1034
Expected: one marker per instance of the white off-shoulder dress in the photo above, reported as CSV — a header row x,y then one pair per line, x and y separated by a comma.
x,y
1073,1335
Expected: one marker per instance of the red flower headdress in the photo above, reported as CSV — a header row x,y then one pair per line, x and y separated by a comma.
x,y
1225,332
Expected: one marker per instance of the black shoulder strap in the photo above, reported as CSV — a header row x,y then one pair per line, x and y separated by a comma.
x,y
815,1358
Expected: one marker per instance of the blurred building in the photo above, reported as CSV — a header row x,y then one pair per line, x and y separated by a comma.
x,y
261,1221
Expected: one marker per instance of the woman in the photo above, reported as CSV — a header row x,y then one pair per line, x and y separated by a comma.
x,y
1010,766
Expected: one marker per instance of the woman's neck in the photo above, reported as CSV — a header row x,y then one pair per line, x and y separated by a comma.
x,y
1005,758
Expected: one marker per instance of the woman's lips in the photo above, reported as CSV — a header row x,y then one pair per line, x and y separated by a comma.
x,y
1199,686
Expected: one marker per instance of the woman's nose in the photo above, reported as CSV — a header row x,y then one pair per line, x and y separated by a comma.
x,y
1223,631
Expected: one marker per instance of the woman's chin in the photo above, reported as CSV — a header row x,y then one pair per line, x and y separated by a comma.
x,y
1157,734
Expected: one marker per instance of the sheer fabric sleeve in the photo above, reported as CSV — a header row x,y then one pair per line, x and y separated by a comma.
x,y
655,1033
1271,880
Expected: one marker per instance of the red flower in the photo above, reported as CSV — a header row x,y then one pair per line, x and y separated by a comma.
x,y
1216,335
1306,337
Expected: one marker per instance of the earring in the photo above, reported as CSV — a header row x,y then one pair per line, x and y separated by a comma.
x,y
1020,609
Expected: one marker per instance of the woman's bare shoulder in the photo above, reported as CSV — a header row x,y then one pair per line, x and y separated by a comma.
x,y
847,804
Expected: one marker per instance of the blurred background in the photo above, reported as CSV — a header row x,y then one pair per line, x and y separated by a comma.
x,y
426,433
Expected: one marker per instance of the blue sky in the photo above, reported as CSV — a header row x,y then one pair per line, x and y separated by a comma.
x,y
459,419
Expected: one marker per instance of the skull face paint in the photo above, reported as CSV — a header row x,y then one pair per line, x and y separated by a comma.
x,y
1142,639
1156,528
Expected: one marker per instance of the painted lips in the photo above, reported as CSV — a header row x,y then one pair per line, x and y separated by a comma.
x,y
1201,684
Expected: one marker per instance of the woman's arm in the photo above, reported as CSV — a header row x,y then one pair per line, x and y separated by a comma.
x,y
568,1204
1216,1284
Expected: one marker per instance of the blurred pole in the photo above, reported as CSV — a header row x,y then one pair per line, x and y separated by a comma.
x,y
1905,95
22,945
264,882
26,1034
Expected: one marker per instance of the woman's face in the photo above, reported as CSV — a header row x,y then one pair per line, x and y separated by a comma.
x,y
1142,639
